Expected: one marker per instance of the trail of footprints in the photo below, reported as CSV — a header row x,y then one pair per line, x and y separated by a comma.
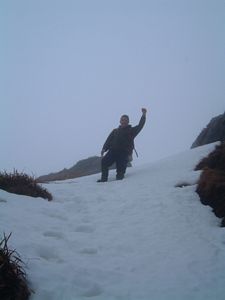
x,y
79,229
84,287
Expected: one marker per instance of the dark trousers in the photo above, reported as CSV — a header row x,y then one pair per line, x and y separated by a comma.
x,y
118,157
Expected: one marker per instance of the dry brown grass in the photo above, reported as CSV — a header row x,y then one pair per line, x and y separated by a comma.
x,y
211,189
215,160
211,184
22,184
13,282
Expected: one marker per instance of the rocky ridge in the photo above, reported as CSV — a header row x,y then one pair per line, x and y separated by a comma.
x,y
213,132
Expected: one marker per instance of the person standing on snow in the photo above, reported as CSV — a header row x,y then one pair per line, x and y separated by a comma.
x,y
119,146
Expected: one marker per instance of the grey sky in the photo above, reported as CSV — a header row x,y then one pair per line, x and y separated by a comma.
x,y
70,69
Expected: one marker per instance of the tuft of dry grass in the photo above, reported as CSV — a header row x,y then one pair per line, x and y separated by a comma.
x,y
22,184
215,159
211,184
211,189
13,282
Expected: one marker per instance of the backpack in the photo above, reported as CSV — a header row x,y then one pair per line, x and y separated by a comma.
x,y
130,156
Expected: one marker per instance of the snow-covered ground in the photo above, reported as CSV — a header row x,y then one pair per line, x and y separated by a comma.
x,y
136,239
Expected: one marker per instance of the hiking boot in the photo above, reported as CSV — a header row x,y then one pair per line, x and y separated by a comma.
x,y
102,180
119,177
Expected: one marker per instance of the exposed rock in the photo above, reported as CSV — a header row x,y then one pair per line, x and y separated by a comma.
x,y
91,165
215,131
84,167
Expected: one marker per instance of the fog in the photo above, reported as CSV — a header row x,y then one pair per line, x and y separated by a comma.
x,y
70,69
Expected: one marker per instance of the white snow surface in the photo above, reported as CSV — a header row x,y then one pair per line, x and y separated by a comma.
x,y
136,239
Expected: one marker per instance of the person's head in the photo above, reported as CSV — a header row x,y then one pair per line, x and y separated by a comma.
x,y
124,120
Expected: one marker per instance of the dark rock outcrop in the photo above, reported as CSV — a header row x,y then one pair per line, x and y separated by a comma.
x,y
84,167
215,131
211,185
91,165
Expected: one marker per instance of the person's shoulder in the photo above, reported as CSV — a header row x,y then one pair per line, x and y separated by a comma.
x,y
114,130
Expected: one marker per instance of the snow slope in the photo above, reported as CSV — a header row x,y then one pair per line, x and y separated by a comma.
x,y
136,239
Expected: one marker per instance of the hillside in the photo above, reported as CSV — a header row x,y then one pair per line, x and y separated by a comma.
x,y
213,132
140,238
84,167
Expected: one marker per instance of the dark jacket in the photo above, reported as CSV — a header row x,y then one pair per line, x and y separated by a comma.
x,y
122,138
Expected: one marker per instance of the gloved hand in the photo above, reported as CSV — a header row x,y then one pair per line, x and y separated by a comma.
x,y
144,111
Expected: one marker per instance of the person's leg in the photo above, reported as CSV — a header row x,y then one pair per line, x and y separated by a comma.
x,y
107,161
121,165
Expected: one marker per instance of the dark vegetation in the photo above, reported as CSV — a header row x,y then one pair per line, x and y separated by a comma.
x,y
22,184
211,184
13,281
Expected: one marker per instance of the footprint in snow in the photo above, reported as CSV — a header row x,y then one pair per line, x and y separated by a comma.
x,y
84,228
86,288
92,291
54,234
56,216
89,251
48,253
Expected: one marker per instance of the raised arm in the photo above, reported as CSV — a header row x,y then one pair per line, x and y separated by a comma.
x,y
138,128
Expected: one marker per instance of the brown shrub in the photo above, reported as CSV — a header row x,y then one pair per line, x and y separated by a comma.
x,y
13,282
22,184
211,189
211,184
215,160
